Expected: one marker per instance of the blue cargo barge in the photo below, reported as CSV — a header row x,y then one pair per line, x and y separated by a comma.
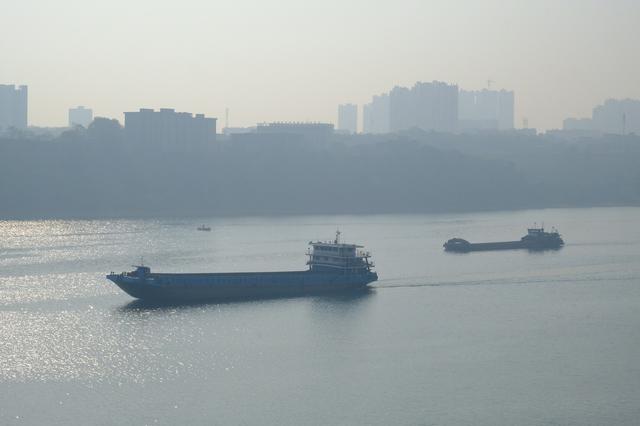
x,y
333,267
536,239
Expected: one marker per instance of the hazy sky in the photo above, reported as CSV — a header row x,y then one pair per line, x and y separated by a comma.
x,y
296,59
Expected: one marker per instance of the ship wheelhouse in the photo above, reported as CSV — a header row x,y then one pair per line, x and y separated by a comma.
x,y
540,233
334,256
539,238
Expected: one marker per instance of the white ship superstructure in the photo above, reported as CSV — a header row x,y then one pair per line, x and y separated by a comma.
x,y
334,256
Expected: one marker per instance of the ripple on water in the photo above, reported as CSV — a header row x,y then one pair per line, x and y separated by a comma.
x,y
51,287
97,345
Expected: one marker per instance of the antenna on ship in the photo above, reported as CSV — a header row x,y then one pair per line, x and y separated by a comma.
x,y
337,240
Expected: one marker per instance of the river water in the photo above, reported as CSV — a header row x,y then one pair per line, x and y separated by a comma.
x,y
494,338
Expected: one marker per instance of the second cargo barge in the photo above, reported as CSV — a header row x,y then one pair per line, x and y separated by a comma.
x,y
536,239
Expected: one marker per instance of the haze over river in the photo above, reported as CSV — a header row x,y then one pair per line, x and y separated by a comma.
x,y
485,338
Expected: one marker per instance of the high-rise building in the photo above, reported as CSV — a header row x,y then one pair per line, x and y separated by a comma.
x,y
348,118
428,106
506,108
375,115
80,116
486,109
402,109
618,116
366,118
13,106
167,129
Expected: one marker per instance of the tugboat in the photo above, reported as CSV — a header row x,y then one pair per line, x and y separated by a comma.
x,y
333,267
203,228
536,239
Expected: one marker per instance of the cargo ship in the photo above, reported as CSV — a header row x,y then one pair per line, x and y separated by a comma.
x,y
536,239
333,266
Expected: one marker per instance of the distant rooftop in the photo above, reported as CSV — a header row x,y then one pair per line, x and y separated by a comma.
x,y
295,124
169,111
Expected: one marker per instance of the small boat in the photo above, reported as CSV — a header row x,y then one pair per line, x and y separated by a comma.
x,y
204,228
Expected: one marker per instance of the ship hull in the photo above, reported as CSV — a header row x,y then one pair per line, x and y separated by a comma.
x,y
503,245
237,286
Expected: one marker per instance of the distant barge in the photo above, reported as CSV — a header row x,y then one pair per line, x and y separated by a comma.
x,y
536,239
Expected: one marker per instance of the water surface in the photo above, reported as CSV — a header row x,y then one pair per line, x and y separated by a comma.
x,y
487,338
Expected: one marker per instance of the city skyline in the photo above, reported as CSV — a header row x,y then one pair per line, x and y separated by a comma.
x,y
283,61
430,106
